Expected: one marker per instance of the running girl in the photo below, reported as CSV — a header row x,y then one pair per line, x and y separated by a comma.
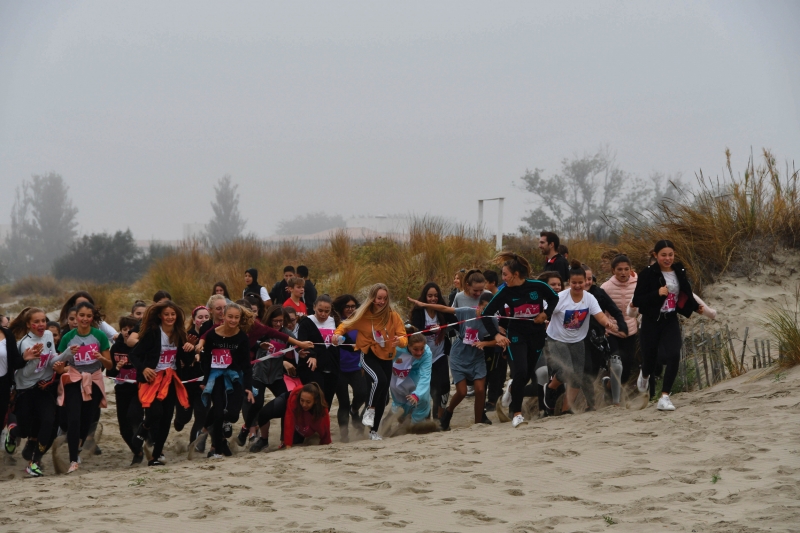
x,y
569,324
321,365
350,374
81,389
304,413
467,361
10,360
162,346
433,322
380,332
36,386
126,389
662,292
228,375
528,304
624,348
411,378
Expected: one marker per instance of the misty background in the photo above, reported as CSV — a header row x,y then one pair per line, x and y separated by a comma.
x,y
365,108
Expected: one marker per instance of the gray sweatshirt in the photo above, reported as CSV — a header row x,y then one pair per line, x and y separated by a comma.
x,y
38,369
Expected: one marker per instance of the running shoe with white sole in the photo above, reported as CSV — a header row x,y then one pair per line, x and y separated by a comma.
x,y
470,390
34,470
518,421
665,404
213,455
10,443
506,401
373,435
227,429
73,466
642,384
368,418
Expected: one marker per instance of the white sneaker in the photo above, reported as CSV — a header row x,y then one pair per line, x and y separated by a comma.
x,y
506,400
373,435
470,390
642,384
518,421
73,466
369,418
665,404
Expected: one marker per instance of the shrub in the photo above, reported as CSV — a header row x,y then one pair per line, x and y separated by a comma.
x,y
103,258
36,285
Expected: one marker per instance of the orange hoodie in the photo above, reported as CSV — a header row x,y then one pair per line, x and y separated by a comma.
x,y
365,340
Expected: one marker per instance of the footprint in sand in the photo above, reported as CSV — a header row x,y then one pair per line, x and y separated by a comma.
x,y
471,515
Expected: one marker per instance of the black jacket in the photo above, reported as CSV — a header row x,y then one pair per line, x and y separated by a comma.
x,y
559,264
327,356
148,350
309,295
118,351
278,293
15,360
649,302
607,305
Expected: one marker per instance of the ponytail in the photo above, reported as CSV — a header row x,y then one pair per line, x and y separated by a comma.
x,y
516,263
576,269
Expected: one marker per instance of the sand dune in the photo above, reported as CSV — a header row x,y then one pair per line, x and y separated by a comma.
x,y
728,460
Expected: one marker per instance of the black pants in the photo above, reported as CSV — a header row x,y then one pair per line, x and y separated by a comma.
x,y
158,419
129,410
277,409
5,395
594,361
379,372
250,410
79,415
225,407
36,413
661,335
440,384
523,353
196,410
496,376
358,383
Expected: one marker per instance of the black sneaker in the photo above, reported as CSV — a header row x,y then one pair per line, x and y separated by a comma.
x,y
355,418
155,462
241,440
550,397
137,459
178,424
27,451
137,442
259,445
444,422
98,451
227,430
486,420
225,449
489,406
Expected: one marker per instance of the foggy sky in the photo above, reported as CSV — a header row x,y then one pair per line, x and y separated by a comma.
x,y
377,107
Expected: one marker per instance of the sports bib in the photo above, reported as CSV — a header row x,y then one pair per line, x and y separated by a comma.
x,y
327,335
470,336
43,359
85,355
127,373
166,360
221,358
527,310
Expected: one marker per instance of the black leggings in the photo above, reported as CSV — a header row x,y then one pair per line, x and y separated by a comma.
x,y
440,384
36,413
5,395
661,335
277,409
346,380
129,410
523,353
196,409
79,415
158,419
225,407
379,372
250,410
496,377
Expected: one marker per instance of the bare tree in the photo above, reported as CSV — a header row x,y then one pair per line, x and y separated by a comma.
x,y
227,223
588,194
43,225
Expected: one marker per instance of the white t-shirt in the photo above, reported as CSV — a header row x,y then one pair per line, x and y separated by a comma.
x,y
671,303
570,320
437,350
326,328
3,358
168,354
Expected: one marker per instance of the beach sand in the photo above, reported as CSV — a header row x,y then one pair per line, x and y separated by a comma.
x,y
728,460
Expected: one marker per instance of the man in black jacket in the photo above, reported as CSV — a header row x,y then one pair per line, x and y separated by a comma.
x,y
280,291
553,261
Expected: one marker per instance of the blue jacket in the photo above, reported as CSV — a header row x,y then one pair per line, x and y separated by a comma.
x,y
420,372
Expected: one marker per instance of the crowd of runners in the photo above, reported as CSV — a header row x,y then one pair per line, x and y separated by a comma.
x,y
559,335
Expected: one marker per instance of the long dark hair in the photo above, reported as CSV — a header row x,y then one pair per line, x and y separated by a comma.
x,y
19,326
271,313
152,320
320,407
223,287
340,301
70,303
441,317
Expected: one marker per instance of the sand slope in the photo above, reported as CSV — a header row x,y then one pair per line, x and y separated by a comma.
x,y
637,468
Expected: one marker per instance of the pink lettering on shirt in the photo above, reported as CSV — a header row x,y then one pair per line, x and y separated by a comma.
x,y
527,310
670,304
166,360
43,359
327,335
470,336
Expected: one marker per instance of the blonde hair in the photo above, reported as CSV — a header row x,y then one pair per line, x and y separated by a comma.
x,y
214,298
365,309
